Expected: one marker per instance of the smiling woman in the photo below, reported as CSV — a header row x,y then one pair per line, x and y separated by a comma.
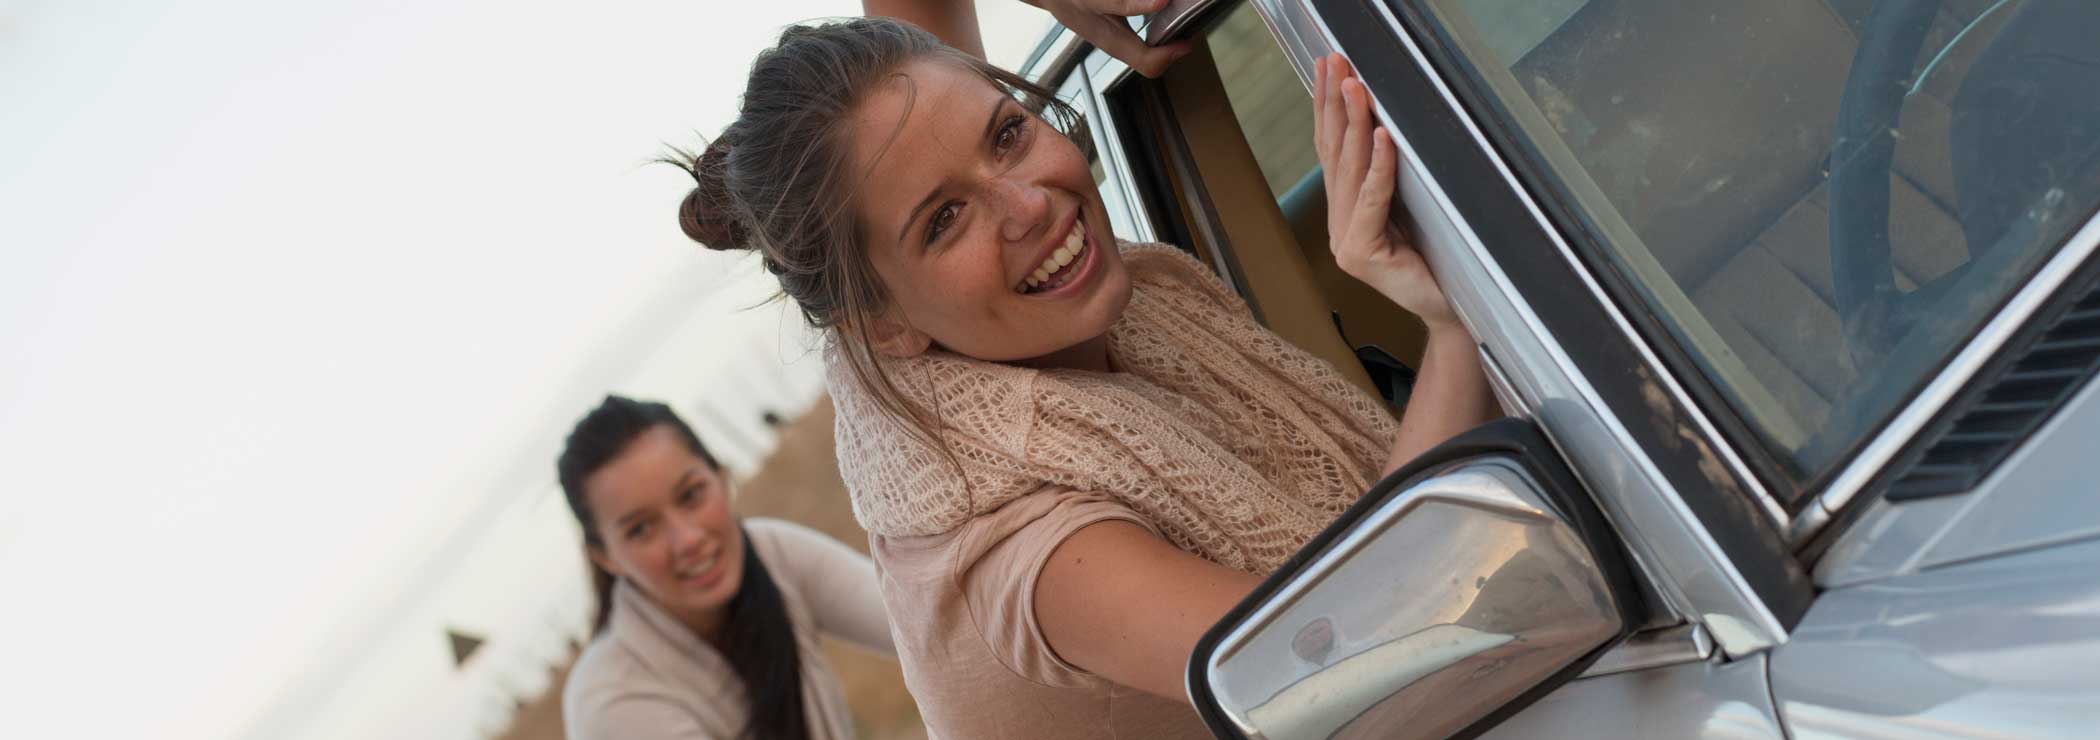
x,y
1072,454
706,625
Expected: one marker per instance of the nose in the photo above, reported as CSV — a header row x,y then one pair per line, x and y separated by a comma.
x,y
1024,207
686,536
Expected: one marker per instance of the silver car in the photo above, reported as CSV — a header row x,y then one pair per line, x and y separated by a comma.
x,y
1793,305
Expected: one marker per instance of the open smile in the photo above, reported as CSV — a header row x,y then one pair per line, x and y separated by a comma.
x,y
702,572
1062,266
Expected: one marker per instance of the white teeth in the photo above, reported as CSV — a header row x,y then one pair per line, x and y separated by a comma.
x,y
1075,245
696,568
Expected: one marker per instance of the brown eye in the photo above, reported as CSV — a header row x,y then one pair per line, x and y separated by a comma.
x,y
1009,134
941,220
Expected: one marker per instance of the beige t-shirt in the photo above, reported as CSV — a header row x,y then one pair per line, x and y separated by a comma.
x,y
963,606
648,677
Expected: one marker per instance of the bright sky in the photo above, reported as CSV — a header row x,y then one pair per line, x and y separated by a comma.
x,y
292,289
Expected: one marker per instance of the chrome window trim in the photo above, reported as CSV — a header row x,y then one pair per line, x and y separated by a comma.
x,y
1748,478
1061,49
1067,59
1126,220
1104,71
1684,643
1899,431
1741,622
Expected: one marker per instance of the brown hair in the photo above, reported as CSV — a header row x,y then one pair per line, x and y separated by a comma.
x,y
776,181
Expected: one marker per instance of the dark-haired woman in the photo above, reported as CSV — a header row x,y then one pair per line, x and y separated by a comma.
x,y
707,624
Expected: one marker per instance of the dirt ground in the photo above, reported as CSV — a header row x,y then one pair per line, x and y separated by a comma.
x,y
800,483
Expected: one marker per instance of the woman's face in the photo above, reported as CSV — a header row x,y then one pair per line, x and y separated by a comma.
x,y
664,525
982,221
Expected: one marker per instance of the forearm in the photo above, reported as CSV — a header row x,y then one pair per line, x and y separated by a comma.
x,y
1451,395
954,22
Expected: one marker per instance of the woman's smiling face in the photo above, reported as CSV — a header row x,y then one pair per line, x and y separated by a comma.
x,y
664,524
983,222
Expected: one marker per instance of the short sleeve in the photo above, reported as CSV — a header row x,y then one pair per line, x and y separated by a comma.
x,y
1013,543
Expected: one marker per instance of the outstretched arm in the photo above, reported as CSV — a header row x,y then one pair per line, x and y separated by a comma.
x,y
954,22
1119,602
1101,22
1360,163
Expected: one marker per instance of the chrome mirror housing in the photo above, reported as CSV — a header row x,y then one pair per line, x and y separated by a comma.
x,y
1453,594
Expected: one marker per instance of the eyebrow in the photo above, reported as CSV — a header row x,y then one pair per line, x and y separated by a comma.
x,y
991,124
685,481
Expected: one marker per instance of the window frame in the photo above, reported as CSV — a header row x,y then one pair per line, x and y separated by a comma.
x,y
1866,463
1658,421
1719,561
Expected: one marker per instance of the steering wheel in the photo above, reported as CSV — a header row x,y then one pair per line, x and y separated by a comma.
x,y
1874,313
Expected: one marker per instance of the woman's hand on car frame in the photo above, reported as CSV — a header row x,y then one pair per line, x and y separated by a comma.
x,y
1359,162
1101,23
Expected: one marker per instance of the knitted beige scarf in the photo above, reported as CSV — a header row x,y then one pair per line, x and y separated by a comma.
x,y
1236,445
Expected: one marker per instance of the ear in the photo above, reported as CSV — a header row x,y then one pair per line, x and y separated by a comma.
x,y
603,561
891,335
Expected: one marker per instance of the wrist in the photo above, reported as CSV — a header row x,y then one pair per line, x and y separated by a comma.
x,y
1449,333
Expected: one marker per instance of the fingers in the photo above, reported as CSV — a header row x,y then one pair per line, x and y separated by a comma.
x,y
1374,203
1320,108
1111,34
1331,115
1125,7
1356,134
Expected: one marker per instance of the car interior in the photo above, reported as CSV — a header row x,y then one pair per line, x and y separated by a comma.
x,y
1239,185
1707,127
1696,135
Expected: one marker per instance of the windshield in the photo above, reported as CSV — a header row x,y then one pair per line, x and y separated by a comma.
x,y
1820,201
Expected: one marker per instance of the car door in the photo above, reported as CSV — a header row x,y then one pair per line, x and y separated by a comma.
x,y
1224,142
1853,244
1630,205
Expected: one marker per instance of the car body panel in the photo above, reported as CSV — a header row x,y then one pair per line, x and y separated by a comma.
x,y
2001,647
1975,614
2042,495
1706,699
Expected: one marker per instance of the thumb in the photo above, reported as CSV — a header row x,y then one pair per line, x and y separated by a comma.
x,y
1157,59
1127,7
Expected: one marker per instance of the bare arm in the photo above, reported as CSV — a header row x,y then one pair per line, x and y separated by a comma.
x,y
1121,603
1100,22
1451,395
1360,163
954,22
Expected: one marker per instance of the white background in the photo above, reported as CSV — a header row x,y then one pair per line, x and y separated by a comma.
x,y
296,300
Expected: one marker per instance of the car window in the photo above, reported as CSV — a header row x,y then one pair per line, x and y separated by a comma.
x,y
1074,91
1273,108
1818,227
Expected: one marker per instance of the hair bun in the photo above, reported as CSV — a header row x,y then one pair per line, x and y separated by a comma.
x,y
708,213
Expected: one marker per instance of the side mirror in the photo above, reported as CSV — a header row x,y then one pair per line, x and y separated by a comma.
x,y
1454,593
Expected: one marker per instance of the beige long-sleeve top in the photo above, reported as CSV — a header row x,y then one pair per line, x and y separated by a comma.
x,y
648,677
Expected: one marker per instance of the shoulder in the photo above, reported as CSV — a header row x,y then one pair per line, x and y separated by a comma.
x,y
800,558
987,569
783,543
606,673
769,534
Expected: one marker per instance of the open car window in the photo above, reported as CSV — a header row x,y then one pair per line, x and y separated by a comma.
x,y
1820,202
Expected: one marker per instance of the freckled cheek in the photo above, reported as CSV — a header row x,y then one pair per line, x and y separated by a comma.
x,y
1065,163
